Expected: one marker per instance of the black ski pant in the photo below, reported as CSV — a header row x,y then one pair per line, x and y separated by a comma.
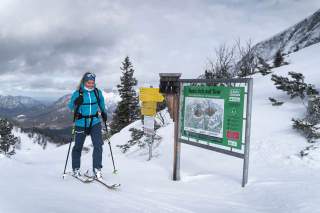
x,y
97,142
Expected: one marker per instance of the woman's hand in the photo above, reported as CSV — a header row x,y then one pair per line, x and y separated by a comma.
x,y
104,117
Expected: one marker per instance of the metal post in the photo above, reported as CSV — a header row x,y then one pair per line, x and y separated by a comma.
x,y
150,142
177,144
247,134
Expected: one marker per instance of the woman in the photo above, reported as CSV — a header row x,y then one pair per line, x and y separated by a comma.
x,y
85,103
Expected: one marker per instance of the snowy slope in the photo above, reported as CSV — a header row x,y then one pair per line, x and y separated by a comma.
x,y
111,97
301,35
279,181
111,100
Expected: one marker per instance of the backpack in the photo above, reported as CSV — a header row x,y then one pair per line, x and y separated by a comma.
x,y
78,115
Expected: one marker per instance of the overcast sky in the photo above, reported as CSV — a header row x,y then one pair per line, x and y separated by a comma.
x,y
45,46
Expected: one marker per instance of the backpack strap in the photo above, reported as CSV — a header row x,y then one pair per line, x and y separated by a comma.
x,y
96,93
77,107
90,103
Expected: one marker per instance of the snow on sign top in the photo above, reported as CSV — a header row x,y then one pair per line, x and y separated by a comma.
x,y
150,94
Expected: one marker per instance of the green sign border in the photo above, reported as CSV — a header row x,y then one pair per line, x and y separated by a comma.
x,y
233,114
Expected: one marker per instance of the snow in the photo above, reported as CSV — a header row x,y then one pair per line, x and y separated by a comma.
x,y
111,97
300,35
279,180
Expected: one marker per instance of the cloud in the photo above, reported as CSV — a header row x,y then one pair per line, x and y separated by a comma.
x,y
45,46
61,38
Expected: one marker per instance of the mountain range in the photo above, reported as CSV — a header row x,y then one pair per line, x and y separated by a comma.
x,y
303,34
29,112
11,106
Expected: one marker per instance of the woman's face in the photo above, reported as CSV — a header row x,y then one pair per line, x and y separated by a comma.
x,y
89,84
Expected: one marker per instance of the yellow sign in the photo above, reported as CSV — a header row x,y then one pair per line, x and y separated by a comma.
x,y
149,108
150,94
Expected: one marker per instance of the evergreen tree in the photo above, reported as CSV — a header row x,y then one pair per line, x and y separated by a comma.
x,y
309,130
313,110
295,87
128,109
7,140
136,138
278,59
263,67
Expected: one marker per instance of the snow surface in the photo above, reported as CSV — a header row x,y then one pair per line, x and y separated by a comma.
x,y
303,34
111,97
279,180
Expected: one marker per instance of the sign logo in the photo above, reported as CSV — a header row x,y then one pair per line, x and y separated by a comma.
x,y
235,92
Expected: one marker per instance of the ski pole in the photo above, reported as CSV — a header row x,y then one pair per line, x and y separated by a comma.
x,y
114,167
65,165
72,132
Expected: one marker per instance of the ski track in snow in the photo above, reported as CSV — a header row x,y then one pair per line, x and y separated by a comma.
x,y
279,181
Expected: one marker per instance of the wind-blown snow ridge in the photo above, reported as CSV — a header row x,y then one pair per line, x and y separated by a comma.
x,y
299,36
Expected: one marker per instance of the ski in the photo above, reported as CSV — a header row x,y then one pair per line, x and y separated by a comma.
x,y
112,186
109,186
82,178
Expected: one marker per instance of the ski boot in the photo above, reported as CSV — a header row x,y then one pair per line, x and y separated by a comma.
x,y
97,174
76,172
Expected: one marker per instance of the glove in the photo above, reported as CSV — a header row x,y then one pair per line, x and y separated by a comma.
x,y
78,101
104,117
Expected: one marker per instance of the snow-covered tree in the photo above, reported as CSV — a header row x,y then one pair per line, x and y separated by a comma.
x,y
278,59
128,109
310,130
313,110
295,87
7,139
263,67
136,138
310,125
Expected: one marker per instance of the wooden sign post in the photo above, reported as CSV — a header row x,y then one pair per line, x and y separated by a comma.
x,y
170,87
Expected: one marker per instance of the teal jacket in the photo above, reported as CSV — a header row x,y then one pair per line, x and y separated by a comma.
x,y
89,107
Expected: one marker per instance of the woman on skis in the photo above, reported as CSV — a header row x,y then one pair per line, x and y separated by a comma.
x,y
85,103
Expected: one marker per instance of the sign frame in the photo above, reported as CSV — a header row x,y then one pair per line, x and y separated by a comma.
x,y
213,114
243,153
